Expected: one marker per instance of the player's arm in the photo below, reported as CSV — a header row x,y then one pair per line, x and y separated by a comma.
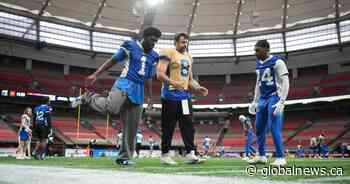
x,y
195,86
117,140
162,67
24,124
245,128
282,74
49,120
49,124
117,57
253,106
149,92
34,119
91,79
256,90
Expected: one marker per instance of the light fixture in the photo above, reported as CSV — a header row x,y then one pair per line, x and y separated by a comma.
x,y
154,2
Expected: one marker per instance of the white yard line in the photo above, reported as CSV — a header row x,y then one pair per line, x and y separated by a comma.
x,y
57,175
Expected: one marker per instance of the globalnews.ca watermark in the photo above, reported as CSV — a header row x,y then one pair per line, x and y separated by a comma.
x,y
294,170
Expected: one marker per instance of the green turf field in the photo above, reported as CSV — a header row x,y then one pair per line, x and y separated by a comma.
x,y
223,167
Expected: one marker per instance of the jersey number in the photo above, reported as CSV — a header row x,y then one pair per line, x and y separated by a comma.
x,y
143,65
40,116
267,77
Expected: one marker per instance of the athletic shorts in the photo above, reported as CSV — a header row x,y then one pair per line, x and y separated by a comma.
x,y
23,135
41,132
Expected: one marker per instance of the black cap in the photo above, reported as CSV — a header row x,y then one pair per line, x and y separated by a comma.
x,y
263,44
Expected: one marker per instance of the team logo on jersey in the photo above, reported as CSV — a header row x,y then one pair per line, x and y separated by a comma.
x,y
184,67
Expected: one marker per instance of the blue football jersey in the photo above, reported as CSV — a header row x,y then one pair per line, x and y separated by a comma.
x,y
42,113
266,77
139,66
206,142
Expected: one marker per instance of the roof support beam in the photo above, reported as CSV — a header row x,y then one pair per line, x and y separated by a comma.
x,y
235,29
238,13
41,12
337,4
97,16
193,14
148,18
284,25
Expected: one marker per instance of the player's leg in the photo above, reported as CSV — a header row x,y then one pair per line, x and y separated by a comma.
x,y
24,136
206,150
19,143
41,136
138,148
187,133
261,130
44,141
29,142
132,121
252,150
104,104
246,148
169,119
249,144
21,150
261,126
276,124
36,149
45,149
21,153
25,149
131,116
123,149
150,151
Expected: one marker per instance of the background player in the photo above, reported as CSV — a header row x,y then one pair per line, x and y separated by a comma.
x,y
24,133
119,140
139,139
151,143
250,135
271,91
206,145
42,128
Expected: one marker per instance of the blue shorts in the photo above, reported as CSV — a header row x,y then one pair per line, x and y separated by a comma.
x,y
23,135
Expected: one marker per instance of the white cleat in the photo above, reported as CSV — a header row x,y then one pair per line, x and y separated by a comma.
x,y
27,158
258,160
20,157
191,158
167,160
279,162
245,158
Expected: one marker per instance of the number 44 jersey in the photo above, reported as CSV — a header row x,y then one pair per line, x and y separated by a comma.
x,y
269,74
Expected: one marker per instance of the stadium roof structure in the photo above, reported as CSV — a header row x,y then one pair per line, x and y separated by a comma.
x,y
218,28
195,16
